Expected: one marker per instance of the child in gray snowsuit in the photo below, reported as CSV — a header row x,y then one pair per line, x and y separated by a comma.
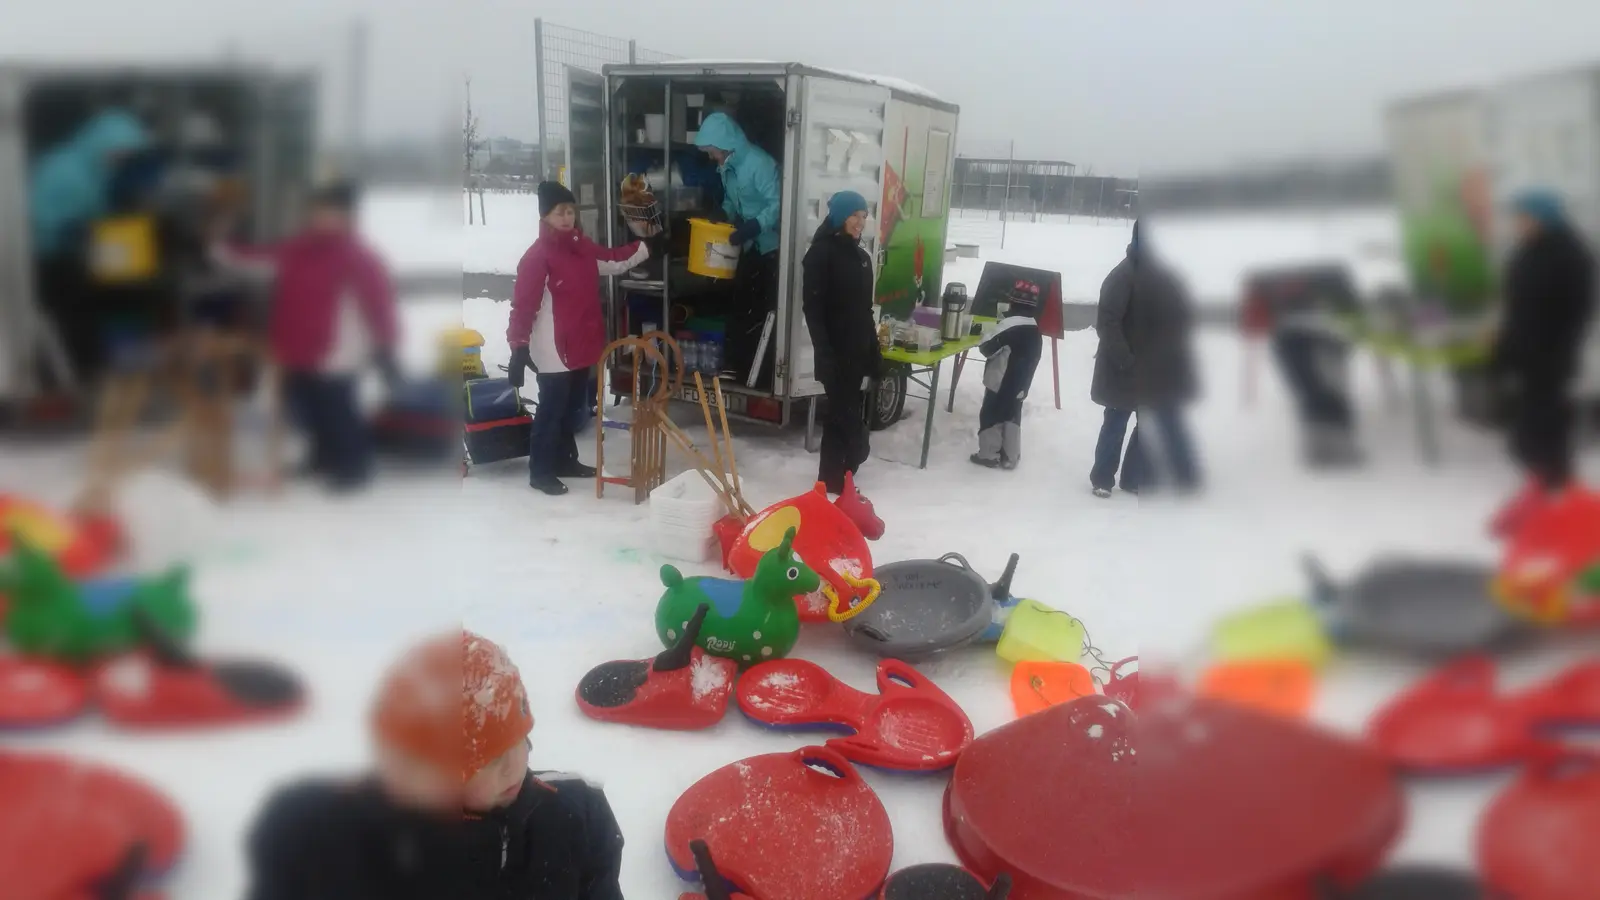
x,y
1012,352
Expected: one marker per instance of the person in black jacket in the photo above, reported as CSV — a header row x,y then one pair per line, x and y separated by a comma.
x,y
838,308
1549,297
1012,352
451,809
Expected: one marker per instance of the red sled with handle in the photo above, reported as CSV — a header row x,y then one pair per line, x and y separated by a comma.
x,y
682,689
910,725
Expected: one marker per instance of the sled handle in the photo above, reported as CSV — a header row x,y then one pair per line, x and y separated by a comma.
x,y
716,887
679,655
829,759
962,560
123,881
1001,590
1002,884
168,651
1324,589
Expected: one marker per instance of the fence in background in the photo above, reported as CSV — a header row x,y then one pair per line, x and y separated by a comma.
x,y
555,48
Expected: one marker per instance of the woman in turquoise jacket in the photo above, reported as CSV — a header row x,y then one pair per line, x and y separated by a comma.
x,y
69,188
750,187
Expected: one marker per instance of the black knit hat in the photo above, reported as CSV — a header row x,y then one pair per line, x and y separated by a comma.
x,y
551,195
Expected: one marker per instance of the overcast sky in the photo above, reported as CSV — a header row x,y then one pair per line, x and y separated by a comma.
x,y
1121,85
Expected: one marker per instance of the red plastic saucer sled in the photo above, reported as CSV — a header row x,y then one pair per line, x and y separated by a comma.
x,y
1454,720
682,689
786,826
1192,800
74,831
1540,839
910,725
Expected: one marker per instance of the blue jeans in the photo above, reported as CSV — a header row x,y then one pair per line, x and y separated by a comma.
x,y
1139,471
563,409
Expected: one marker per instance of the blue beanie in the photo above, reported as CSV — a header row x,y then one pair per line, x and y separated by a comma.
x,y
1541,205
843,205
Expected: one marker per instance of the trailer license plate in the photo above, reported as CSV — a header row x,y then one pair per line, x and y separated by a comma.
x,y
734,403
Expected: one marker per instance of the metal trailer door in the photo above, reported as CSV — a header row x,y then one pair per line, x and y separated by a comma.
x,y
836,140
284,169
16,265
586,147
1546,134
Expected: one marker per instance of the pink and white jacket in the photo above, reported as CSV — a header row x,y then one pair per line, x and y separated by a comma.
x,y
555,306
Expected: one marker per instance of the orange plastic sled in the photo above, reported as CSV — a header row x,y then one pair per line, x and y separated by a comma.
x,y
1037,686
1284,687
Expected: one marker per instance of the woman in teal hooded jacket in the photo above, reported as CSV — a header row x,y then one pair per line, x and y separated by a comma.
x,y
69,188
750,186
71,183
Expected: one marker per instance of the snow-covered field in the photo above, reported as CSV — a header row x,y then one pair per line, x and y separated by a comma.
x,y
338,588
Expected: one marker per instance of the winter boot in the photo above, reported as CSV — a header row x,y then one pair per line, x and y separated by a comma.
x,y
981,460
859,509
547,484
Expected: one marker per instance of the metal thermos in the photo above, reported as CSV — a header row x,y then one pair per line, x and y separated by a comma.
x,y
955,305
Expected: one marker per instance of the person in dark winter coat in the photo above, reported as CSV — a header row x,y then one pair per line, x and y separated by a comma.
x,y
1549,297
1012,352
334,313
451,809
1145,366
838,308
558,329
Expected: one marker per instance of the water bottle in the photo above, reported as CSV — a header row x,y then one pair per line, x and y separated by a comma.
x,y
713,358
691,356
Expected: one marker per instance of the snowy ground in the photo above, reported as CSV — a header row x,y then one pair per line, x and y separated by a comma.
x,y
338,588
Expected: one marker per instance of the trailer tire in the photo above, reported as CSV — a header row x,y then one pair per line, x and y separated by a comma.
x,y
888,404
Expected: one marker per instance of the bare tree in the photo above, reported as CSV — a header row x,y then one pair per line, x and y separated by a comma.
x,y
472,144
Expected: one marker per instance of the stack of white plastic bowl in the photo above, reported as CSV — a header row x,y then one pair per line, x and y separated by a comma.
x,y
682,513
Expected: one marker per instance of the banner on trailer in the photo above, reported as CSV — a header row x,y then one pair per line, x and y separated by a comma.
x,y
914,216
1004,283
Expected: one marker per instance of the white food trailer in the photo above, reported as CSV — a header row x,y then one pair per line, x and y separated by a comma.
x,y
828,131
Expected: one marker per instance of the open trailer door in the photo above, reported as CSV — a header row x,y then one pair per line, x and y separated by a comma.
x,y
837,146
586,149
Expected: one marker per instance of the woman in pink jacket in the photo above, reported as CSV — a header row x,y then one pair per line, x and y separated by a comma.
x,y
558,329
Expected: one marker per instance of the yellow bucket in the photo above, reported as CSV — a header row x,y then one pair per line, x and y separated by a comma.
x,y
123,249
710,253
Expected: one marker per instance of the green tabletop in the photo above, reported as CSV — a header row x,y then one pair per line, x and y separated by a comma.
x,y
933,357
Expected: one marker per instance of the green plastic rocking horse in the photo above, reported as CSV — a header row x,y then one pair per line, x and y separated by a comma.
x,y
749,621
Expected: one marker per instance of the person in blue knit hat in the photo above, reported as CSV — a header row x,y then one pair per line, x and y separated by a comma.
x,y
1549,300
838,300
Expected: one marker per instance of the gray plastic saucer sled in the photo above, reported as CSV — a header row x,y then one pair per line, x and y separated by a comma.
x,y
928,606
1429,608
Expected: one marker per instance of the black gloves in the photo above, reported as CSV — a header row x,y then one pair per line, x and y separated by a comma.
x,y
521,360
744,232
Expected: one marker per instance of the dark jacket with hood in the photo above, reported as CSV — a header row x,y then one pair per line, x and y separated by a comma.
x,y
327,841
838,308
1145,322
1012,352
1549,291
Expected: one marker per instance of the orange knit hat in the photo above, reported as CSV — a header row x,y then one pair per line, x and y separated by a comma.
x,y
418,710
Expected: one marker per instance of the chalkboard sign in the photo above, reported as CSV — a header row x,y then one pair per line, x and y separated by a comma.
x,y
1026,291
